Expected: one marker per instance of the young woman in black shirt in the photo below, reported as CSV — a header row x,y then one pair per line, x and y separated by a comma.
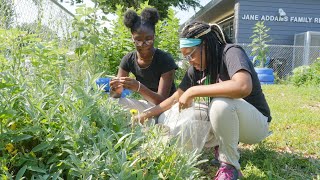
x,y
153,68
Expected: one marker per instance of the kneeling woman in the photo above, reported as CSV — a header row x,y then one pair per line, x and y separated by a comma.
x,y
222,72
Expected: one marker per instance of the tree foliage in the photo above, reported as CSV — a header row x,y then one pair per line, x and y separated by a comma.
x,y
111,6
6,13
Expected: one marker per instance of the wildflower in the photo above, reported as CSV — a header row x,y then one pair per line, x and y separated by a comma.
x,y
13,126
32,154
133,112
14,152
10,147
94,124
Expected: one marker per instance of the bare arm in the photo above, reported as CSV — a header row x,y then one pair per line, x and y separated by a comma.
x,y
239,86
122,73
163,106
164,88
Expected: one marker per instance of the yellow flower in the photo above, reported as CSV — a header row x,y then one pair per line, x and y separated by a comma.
x,y
133,112
13,126
32,154
10,147
14,152
94,124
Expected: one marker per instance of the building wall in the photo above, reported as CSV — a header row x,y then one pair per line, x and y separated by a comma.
x,y
301,16
236,22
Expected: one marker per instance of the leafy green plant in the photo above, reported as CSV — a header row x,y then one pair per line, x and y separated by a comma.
x,y
306,75
163,158
56,123
168,41
259,47
90,46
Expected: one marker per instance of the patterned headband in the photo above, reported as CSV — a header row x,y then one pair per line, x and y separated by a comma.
x,y
203,33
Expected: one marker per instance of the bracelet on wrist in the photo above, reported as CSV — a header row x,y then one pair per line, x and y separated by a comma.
x,y
138,87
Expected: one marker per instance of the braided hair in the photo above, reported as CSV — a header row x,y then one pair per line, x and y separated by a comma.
x,y
149,18
214,42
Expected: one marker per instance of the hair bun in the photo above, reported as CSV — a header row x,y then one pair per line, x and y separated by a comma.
x,y
130,18
151,15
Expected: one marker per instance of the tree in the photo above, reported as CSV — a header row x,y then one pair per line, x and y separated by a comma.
x,y
108,6
259,47
72,2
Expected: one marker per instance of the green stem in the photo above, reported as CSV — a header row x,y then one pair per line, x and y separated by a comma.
x,y
1,127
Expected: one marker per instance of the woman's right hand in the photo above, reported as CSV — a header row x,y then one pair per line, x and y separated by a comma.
x,y
185,100
116,86
130,83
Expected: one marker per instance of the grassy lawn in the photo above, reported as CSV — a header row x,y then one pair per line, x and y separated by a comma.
x,y
293,150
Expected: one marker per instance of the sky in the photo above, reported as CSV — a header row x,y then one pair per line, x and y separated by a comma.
x,y
183,16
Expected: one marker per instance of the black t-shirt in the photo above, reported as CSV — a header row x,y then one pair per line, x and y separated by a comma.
x,y
234,59
150,77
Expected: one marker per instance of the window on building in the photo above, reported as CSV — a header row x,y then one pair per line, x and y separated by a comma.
x,y
227,26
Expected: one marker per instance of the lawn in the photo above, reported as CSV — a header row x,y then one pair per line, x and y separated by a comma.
x,y
293,150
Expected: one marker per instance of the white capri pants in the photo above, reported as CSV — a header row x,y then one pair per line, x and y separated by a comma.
x,y
232,121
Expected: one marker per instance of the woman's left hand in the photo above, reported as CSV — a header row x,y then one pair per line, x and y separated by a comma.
x,y
129,83
185,100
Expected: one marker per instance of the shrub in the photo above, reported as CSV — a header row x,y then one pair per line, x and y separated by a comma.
x,y
306,75
55,123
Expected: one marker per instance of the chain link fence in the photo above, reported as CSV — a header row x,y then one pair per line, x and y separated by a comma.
x,y
284,58
45,17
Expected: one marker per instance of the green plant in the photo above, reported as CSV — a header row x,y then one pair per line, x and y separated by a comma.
x,y
259,47
167,32
90,38
306,75
56,123
6,14
183,67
